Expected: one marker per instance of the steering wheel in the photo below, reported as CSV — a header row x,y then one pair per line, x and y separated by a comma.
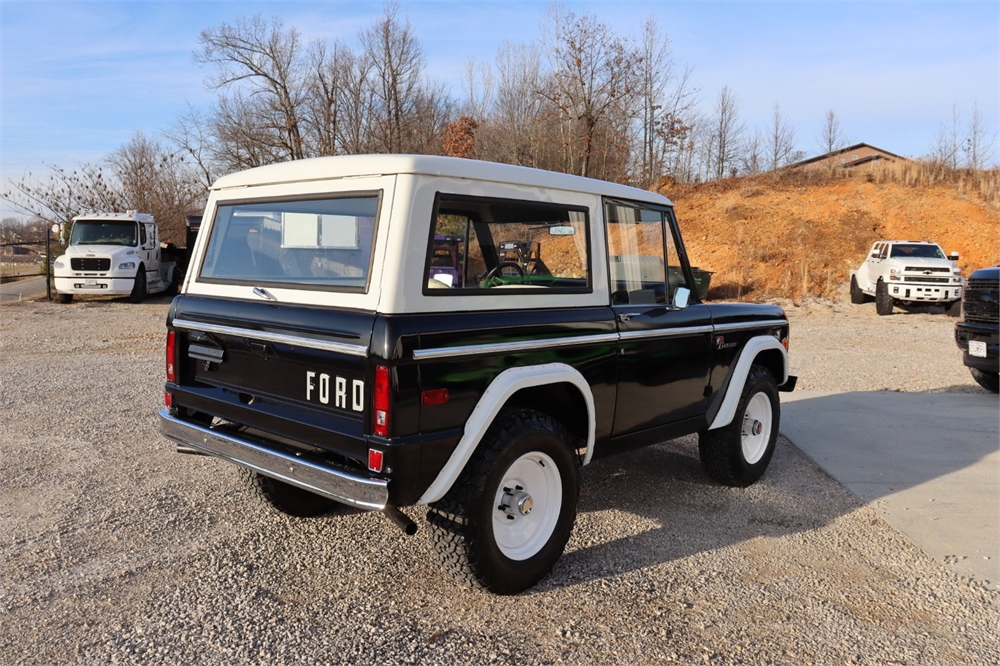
x,y
498,274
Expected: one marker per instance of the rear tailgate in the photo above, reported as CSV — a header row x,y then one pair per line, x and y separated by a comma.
x,y
296,373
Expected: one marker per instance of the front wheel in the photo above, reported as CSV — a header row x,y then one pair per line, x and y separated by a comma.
x,y
507,518
954,309
883,301
65,298
139,286
988,380
738,454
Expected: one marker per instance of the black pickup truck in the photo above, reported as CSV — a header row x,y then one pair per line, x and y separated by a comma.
x,y
978,334
320,345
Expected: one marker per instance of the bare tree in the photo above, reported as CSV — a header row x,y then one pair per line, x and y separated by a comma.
x,y
948,141
979,142
594,76
753,156
666,100
780,140
831,137
396,60
725,136
266,59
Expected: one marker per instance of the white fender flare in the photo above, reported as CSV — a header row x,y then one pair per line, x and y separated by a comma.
x,y
506,384
753,347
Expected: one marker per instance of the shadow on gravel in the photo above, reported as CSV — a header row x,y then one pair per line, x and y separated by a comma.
x,y
874,444
671,510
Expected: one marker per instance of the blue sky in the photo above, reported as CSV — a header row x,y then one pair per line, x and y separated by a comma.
x,y
79,78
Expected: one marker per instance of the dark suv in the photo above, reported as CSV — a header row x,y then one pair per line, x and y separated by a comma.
x,y
352,330
977,334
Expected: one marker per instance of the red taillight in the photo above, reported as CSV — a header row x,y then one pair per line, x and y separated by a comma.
x,y
171,375
168,399
433,397
380,413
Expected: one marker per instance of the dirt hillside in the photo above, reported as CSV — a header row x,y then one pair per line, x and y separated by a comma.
x,y
765,238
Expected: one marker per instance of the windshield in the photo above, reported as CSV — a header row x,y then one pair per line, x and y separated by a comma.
x,y
317,243
917,251
103,232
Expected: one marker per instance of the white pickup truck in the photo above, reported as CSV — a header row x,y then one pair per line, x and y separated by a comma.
x,y
910,272
114,254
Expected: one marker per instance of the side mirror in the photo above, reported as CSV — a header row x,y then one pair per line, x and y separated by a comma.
x,y
953,256
681,297
56,228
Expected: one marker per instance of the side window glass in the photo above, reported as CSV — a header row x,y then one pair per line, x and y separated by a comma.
x,y
490,244
142,235
636,255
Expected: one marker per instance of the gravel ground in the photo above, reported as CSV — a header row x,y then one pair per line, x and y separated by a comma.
x,y
117,550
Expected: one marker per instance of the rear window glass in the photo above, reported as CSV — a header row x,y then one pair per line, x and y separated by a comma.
x,y
315,243
487,245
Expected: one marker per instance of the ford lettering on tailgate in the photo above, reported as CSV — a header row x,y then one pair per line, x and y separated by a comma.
x,y
322,388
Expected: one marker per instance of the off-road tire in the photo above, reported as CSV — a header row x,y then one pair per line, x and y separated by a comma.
x,y
883,301
722,451
988,380
138,294
857,296
954,309
462,522
287,499
65,298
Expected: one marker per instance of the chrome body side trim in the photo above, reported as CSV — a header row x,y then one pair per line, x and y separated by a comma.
x,y
770,323
328,481
665,332
280,338
512,347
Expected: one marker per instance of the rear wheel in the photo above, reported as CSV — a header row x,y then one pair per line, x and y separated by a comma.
x,y
507,518
286,498
65,298
857,296
138,294
883,301
988,380
739,453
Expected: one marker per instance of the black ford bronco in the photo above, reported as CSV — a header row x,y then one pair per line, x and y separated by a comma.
x,y
320,344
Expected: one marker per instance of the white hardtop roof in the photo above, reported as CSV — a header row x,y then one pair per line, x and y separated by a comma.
x,y
130,215
344,166
909,242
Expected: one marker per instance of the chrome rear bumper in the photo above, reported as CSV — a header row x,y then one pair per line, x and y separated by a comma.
x,y
328,481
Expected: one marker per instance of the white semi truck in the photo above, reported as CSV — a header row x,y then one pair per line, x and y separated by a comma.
x,y
114,254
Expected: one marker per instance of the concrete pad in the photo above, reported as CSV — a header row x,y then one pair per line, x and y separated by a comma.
x,y
928,463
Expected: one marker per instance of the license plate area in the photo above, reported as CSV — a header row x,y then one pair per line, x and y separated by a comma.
x,y
977,348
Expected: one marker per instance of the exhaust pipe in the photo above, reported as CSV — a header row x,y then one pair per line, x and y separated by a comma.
x,y
401,520
187,450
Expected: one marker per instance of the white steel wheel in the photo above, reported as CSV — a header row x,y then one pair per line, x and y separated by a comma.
x,y
756,432
527,506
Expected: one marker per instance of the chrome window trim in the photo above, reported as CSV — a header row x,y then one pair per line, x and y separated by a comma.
x,y
511,347
280,338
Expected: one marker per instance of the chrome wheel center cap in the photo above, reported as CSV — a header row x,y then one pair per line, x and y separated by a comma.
x,y
516,502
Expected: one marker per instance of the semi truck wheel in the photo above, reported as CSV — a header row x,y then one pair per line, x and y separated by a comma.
x,y
139,286
507,518
739,453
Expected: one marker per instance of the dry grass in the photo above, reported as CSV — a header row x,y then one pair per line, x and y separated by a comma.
x,y
798,234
